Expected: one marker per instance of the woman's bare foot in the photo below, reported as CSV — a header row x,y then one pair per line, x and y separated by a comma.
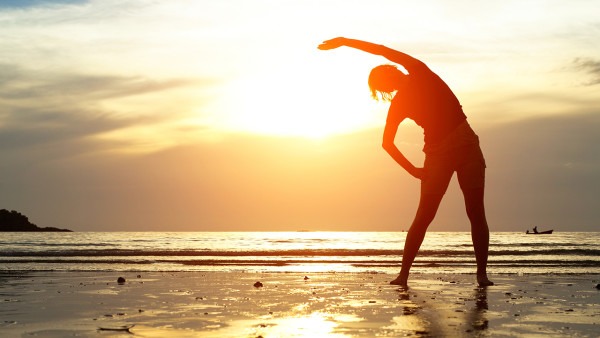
x,y
403,283
484,281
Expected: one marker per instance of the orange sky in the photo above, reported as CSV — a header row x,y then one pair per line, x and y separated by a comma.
x,y
212,115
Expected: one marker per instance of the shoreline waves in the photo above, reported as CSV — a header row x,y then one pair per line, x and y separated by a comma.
x,y
564,253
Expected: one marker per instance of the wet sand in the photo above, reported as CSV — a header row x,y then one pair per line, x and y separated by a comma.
x,y
227,304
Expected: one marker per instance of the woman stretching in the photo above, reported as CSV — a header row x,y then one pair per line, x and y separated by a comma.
x,y
450,145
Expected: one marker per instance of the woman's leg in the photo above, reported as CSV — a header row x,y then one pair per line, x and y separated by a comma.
x,y
437,174
428,206
471,177
480,233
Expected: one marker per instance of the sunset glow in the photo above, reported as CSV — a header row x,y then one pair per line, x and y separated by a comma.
x,y
225,115
292,100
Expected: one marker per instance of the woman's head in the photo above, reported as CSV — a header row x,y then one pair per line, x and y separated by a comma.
x,y
385,80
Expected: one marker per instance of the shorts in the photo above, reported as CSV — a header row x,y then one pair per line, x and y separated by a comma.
x,y
460,153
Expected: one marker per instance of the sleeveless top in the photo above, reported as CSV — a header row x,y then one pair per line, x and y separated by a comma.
x,y
429,102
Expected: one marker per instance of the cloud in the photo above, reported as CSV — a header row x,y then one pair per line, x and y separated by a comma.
x,y
31,127
589,66
45,108
19,84
34,3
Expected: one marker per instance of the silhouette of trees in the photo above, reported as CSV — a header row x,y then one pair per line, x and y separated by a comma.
x,y
15,221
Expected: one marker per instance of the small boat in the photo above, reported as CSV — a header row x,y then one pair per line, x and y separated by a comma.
x,y
535,232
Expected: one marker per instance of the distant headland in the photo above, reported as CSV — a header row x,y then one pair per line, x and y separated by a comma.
x,y
15,221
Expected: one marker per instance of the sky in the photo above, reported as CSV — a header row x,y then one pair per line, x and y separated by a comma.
x,y
213,115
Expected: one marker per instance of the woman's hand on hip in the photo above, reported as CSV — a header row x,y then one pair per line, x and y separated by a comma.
x,y
418,173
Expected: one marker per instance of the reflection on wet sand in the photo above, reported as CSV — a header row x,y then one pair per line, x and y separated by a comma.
x,y
410,322
441,312
333,310
287,305
477,317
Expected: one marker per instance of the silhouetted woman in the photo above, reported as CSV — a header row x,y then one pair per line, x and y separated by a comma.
x,y
450,146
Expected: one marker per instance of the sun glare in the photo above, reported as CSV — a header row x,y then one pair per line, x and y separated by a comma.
x,y
314,325
307,101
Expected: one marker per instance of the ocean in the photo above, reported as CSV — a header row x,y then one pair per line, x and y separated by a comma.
x,y
304,252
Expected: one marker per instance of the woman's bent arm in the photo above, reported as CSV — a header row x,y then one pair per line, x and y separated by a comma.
x,y
389,134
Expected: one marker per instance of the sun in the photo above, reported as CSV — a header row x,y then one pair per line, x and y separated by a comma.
x,y
306,101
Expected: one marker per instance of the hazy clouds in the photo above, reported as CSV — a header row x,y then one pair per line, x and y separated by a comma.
x,y
107,114
589,66
542,171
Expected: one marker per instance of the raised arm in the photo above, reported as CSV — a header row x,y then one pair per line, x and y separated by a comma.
x,y
407,61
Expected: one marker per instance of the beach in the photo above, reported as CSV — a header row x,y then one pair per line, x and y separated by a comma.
x,y
233,304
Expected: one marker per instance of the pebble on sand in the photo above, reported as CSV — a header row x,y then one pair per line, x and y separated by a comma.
x,y
121,280
124,328
598,286
258,285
